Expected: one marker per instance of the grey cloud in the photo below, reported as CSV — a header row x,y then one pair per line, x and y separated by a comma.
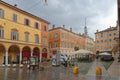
x,y
69,12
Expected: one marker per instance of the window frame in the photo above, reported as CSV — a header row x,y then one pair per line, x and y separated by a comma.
x,y
2,13
26,22
1,33
26,36
37,39
14,35
36,25
15,17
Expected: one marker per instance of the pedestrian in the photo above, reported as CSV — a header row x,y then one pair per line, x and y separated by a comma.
x,y
97,56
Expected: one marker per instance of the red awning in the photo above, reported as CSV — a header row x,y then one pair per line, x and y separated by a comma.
x,y
36,54
26,54
44,55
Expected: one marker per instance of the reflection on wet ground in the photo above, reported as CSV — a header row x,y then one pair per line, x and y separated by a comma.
x,y
86,72
52,73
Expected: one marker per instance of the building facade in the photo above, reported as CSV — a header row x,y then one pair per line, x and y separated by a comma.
x,y
89,44
21,35
64,40
105,40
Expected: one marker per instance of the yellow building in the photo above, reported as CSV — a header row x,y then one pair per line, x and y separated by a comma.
x,y
20,35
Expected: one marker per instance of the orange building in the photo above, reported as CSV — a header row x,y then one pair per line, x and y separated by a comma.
x,y
64,40
105,40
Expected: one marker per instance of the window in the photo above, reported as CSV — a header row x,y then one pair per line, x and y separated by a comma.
x,y
27,22
15,17
1,13
97,41
114,34
110,40
45,28
36,25
62,35
62,44
36,38
109,34
44,40
55,44
50,45
101,40
1,33
14,35
101,34
56,35
26,36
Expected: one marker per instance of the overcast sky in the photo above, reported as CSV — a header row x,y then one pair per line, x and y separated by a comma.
x,y
100,14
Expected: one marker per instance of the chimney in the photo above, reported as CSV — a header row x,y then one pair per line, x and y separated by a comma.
x,y
70,29
53,26
64,26
15,5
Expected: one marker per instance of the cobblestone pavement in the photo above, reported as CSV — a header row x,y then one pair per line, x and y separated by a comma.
x,y
54,73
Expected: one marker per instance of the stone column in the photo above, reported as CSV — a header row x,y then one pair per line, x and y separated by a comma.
x,y
20,58
31,53
6,57
40,57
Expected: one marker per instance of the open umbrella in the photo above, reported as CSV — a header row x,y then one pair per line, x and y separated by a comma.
x,y
104,53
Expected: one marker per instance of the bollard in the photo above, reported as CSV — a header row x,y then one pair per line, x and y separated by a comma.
x,y
75,70
98,71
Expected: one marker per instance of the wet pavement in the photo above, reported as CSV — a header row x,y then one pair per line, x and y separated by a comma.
x,y
56,73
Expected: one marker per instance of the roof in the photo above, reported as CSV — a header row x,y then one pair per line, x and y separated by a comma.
x,y
22,11
65,30
108,29
56,28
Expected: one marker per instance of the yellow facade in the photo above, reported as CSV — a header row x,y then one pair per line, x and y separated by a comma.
x,y
14,45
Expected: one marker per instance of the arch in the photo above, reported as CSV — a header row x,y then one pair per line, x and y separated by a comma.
x,y
26,53
13,54
2,54
36,52
14,29
44,53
